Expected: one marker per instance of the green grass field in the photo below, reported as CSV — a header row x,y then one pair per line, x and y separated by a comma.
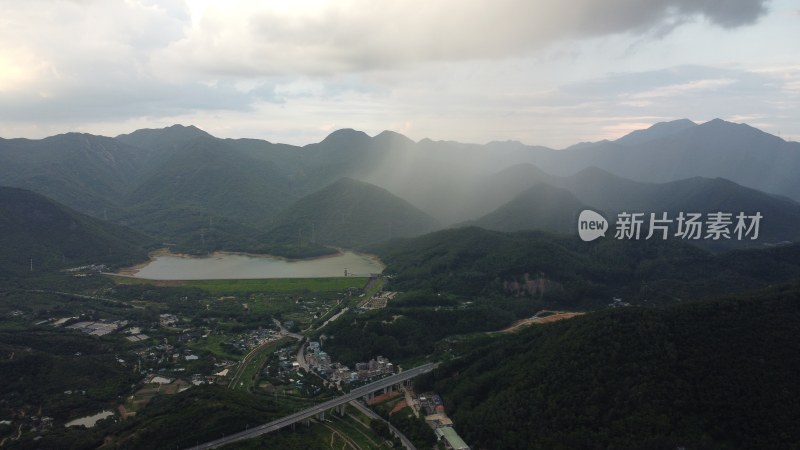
x,y
375,287
276,285
213,344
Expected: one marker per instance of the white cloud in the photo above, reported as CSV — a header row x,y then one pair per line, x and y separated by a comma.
x,y
691,87
248,38
533,70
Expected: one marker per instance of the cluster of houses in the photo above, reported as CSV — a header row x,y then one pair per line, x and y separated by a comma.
x,y
617,302
101,327
85,271
338,373
377,301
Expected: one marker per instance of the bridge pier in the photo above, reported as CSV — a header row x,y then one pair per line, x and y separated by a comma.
x,y
321,416
340,409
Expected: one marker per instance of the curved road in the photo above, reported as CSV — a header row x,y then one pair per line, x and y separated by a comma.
x,y
370,413
285,332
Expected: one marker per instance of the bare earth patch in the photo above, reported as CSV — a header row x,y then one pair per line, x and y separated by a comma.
x,y
554,317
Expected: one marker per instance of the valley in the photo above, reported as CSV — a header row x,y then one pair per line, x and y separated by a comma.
x,y
296,276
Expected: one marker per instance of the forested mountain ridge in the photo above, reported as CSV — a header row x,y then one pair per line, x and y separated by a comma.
x,y
717,374
473,261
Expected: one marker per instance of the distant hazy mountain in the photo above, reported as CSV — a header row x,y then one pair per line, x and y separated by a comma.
x,y
659,130
615,194
349,213
55,237
541,207
681,149
203,193
497,189
440,177
448,175
602,191
161,139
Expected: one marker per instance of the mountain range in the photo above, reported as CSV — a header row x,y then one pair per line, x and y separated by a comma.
x,y
183,186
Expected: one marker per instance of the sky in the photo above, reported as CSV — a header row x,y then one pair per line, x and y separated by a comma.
x,y
537,71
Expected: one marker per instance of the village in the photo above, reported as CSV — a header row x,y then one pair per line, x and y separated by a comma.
x,y
179,349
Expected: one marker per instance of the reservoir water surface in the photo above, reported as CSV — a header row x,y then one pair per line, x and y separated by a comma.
x,y
237,266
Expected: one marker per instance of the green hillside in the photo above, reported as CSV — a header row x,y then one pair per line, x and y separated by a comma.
x,y
349,213
473,261
56,237
468,280
719,374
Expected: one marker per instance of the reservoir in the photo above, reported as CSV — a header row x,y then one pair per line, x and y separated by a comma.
x,y
238,266
89,421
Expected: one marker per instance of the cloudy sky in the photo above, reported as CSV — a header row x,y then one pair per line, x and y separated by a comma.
x,y
538,71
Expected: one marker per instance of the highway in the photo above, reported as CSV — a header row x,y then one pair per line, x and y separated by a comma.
x,y
316,409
